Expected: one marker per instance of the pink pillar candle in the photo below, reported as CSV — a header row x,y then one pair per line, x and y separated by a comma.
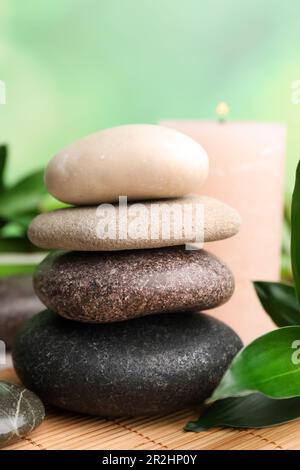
x,y
246,171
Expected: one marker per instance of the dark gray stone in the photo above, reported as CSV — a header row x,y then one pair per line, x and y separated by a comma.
x,y
101,287
21,411
154,364
18,302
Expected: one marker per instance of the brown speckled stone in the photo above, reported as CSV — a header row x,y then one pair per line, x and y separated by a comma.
x,y
108,287
18,302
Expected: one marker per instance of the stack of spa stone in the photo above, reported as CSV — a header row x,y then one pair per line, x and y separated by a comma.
x,y
123,335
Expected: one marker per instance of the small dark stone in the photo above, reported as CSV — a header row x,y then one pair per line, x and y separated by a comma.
x,y
154,364
18,302
21,411
101,287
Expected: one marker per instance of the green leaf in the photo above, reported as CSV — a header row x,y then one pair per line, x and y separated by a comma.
x,y
269,365
16,245
23,197
3,158
286,269
252,411
286,238
279,301
287,212
295,233
17,225
12,230
23,220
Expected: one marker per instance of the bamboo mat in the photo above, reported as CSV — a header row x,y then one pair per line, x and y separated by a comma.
x,y
68,431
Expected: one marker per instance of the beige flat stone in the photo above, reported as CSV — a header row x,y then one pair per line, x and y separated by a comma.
x,y
140,161
151,224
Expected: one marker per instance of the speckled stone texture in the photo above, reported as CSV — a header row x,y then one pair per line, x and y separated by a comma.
x,y
78,228
107,287
154,364
18,302
21,411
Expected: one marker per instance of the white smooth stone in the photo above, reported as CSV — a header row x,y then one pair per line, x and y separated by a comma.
x,y
140,161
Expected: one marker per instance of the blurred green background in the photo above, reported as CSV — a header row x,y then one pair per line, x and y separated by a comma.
x,y
72,67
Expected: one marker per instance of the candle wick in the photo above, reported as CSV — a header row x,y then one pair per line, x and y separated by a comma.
x,y
222,112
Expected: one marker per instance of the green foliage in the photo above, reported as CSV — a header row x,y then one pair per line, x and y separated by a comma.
x,y
286,268
295,234
269,365
279,301
3,157
251,411
19,203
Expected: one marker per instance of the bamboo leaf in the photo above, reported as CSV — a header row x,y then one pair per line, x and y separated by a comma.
x,y
269,365
24,197
295,233
279,301
252,411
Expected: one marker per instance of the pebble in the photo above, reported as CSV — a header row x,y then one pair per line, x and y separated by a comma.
x,y
140,161
21,411
87,229
151,365
108,287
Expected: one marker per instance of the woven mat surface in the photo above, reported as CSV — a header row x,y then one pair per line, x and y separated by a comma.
x,y
64,431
